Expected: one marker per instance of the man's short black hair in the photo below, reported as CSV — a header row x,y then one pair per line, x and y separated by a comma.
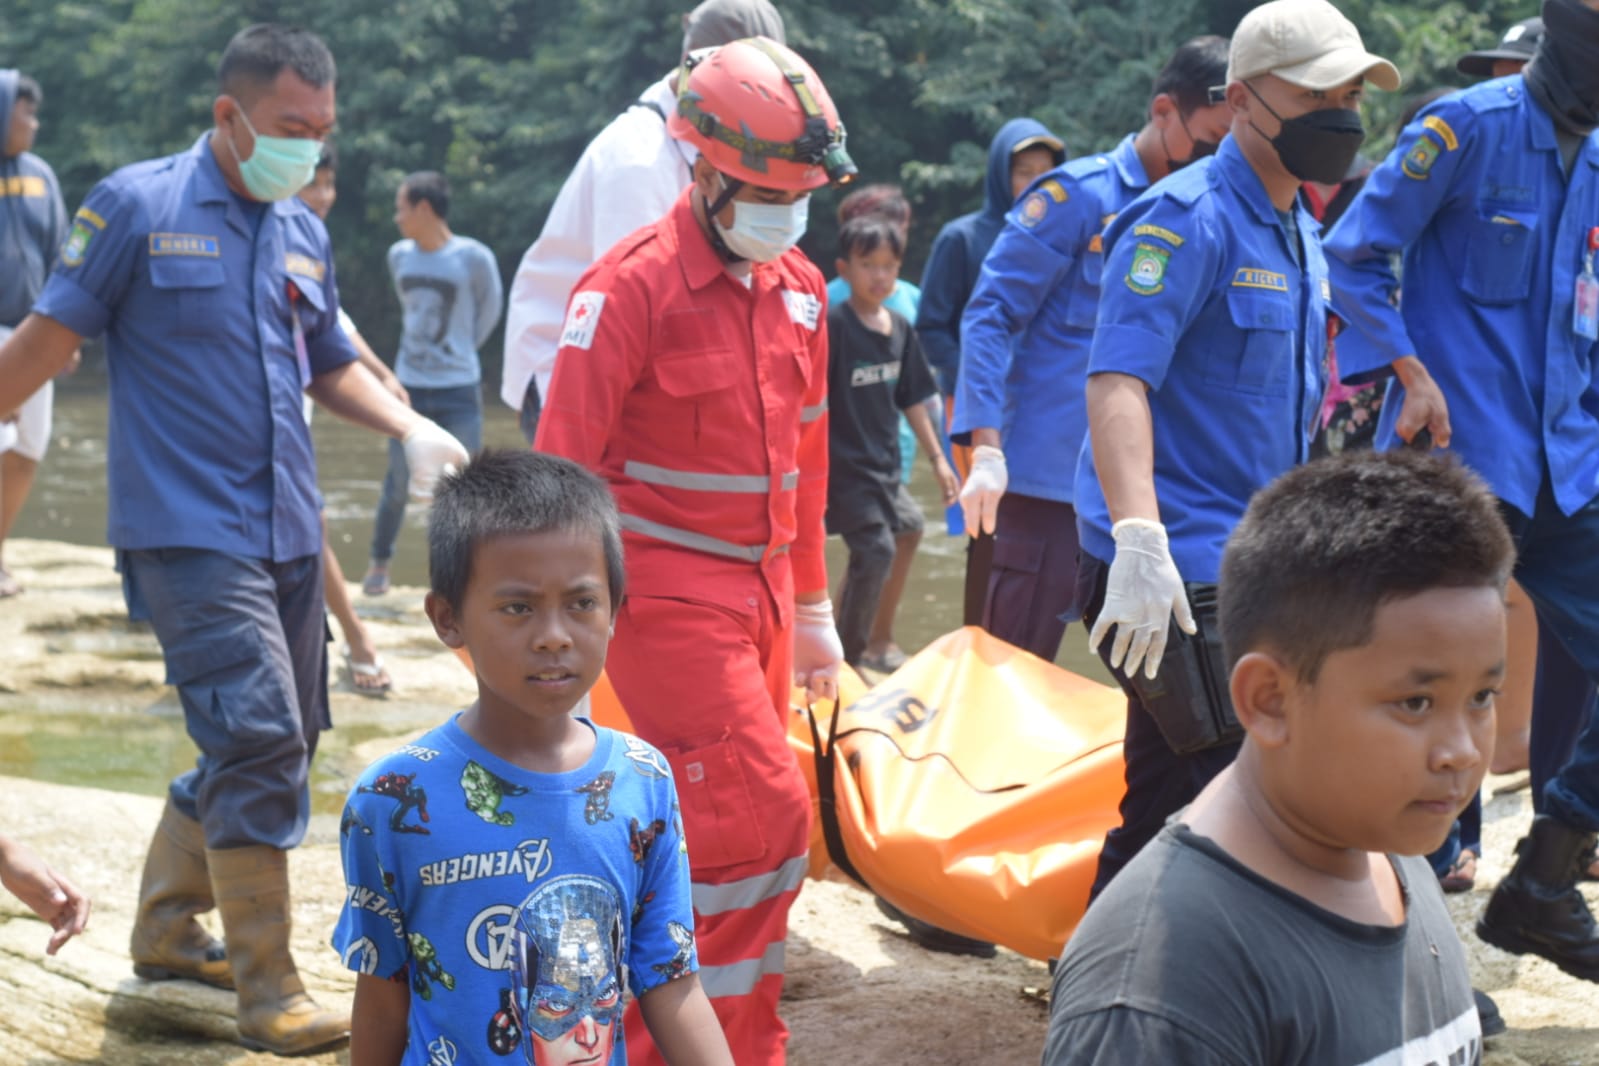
x,y
865,234
1326,544
257,54
508,492
431,186
883,200
1198,64
329,159
28,89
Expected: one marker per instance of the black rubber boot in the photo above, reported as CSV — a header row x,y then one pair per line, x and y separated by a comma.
x,y
1537,908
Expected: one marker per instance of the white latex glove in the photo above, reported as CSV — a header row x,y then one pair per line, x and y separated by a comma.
x,y
817,651
1142,593
984,486
431,453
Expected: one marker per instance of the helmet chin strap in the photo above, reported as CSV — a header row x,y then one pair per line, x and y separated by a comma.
x,y
730,188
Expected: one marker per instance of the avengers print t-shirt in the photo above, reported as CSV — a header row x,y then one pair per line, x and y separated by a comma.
x,y
519,906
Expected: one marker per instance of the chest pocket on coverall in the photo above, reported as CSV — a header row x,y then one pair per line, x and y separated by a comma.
x,y
1498,260
194,284
694,364
1082,307
1262,361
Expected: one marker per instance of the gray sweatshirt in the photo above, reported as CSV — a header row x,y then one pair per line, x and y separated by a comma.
x,y
451,298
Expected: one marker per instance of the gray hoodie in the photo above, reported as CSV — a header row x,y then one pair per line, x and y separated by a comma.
x,y
33,220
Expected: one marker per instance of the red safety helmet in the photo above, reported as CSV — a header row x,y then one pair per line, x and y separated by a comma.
x,y
760,115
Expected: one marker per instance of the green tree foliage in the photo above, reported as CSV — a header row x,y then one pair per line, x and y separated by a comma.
x,y
502,94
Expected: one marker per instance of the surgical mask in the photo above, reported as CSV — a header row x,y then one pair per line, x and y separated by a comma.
x,y
279,167
763,232
1318,145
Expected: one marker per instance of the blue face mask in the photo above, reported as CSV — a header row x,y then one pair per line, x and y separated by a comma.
x,y
279,167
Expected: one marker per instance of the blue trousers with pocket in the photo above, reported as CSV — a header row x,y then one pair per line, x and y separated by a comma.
x,y
459,411
245,642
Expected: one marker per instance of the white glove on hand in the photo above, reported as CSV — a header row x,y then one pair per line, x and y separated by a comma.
x,y
1142,593
430,453
817,651
984,486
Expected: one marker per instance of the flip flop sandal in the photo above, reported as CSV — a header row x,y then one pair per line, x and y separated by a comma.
x,y
372,671
375,583
1462,876
9,585
886,663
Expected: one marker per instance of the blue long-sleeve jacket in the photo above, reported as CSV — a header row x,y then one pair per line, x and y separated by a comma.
x,y
1493,234
958,251
1028,327
33,219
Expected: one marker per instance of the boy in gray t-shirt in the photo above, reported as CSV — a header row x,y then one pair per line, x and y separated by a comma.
x,y
450,299
1284,917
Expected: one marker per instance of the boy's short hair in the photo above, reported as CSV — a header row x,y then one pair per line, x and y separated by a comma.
x,y
431,186
28,89
257,54
506,492
1188,76
864,234
883,200
1326,544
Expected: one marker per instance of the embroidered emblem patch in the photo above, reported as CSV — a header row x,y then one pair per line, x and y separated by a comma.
x,y
582,319
803,308
1422,155
85,224
1162,232
1033,209
1147,275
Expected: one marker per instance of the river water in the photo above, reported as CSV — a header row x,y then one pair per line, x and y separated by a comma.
x,y
68,503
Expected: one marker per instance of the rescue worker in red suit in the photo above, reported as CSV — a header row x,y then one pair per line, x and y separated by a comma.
x,y
692,375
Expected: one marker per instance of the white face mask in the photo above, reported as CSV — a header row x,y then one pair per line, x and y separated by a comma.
x,y
763,232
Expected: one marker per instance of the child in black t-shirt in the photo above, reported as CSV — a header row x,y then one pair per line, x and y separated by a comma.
x,y
875,370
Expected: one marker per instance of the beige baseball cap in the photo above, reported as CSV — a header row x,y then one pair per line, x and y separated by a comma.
x,y
1307,42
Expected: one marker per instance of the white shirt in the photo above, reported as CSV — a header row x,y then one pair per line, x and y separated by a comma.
x,y
628,177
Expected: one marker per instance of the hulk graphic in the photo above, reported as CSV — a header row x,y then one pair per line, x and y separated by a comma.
x,y
484,793
425,967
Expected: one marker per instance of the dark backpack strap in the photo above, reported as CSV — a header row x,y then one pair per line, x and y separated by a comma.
x,y
826,757
651,104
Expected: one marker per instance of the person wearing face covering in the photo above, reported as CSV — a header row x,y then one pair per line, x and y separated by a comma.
x,y
692,376
214,286
1492,197
1025,337
1204,382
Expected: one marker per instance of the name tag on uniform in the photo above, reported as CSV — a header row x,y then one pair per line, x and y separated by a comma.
x,y
23,185
305,266
803,308
184,244
1251,278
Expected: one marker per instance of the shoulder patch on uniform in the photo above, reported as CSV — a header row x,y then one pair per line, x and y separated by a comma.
x,y
1056,190
1255,278
184,244
1035,205
304,265
85,224
1443,130
1146,230
582,319
1147,275
803,308
1096,243
1422,155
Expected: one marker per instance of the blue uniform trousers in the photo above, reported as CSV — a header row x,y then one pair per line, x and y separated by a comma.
x,y
1557,564
1033,579
245,642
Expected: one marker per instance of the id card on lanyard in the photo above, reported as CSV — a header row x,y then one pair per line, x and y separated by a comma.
x,y
1585,319
300,355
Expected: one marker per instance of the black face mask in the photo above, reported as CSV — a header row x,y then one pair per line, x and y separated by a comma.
x,y
1201,148
1564,74
1318,145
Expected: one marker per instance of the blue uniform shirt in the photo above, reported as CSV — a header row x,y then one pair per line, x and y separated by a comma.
x,y
191,283
1028,327
1205,301
1476,197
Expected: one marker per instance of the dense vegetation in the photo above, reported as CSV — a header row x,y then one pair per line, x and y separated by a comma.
x,y
503,94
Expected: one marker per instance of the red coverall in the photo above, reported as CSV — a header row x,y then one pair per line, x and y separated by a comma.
x,y
704,405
